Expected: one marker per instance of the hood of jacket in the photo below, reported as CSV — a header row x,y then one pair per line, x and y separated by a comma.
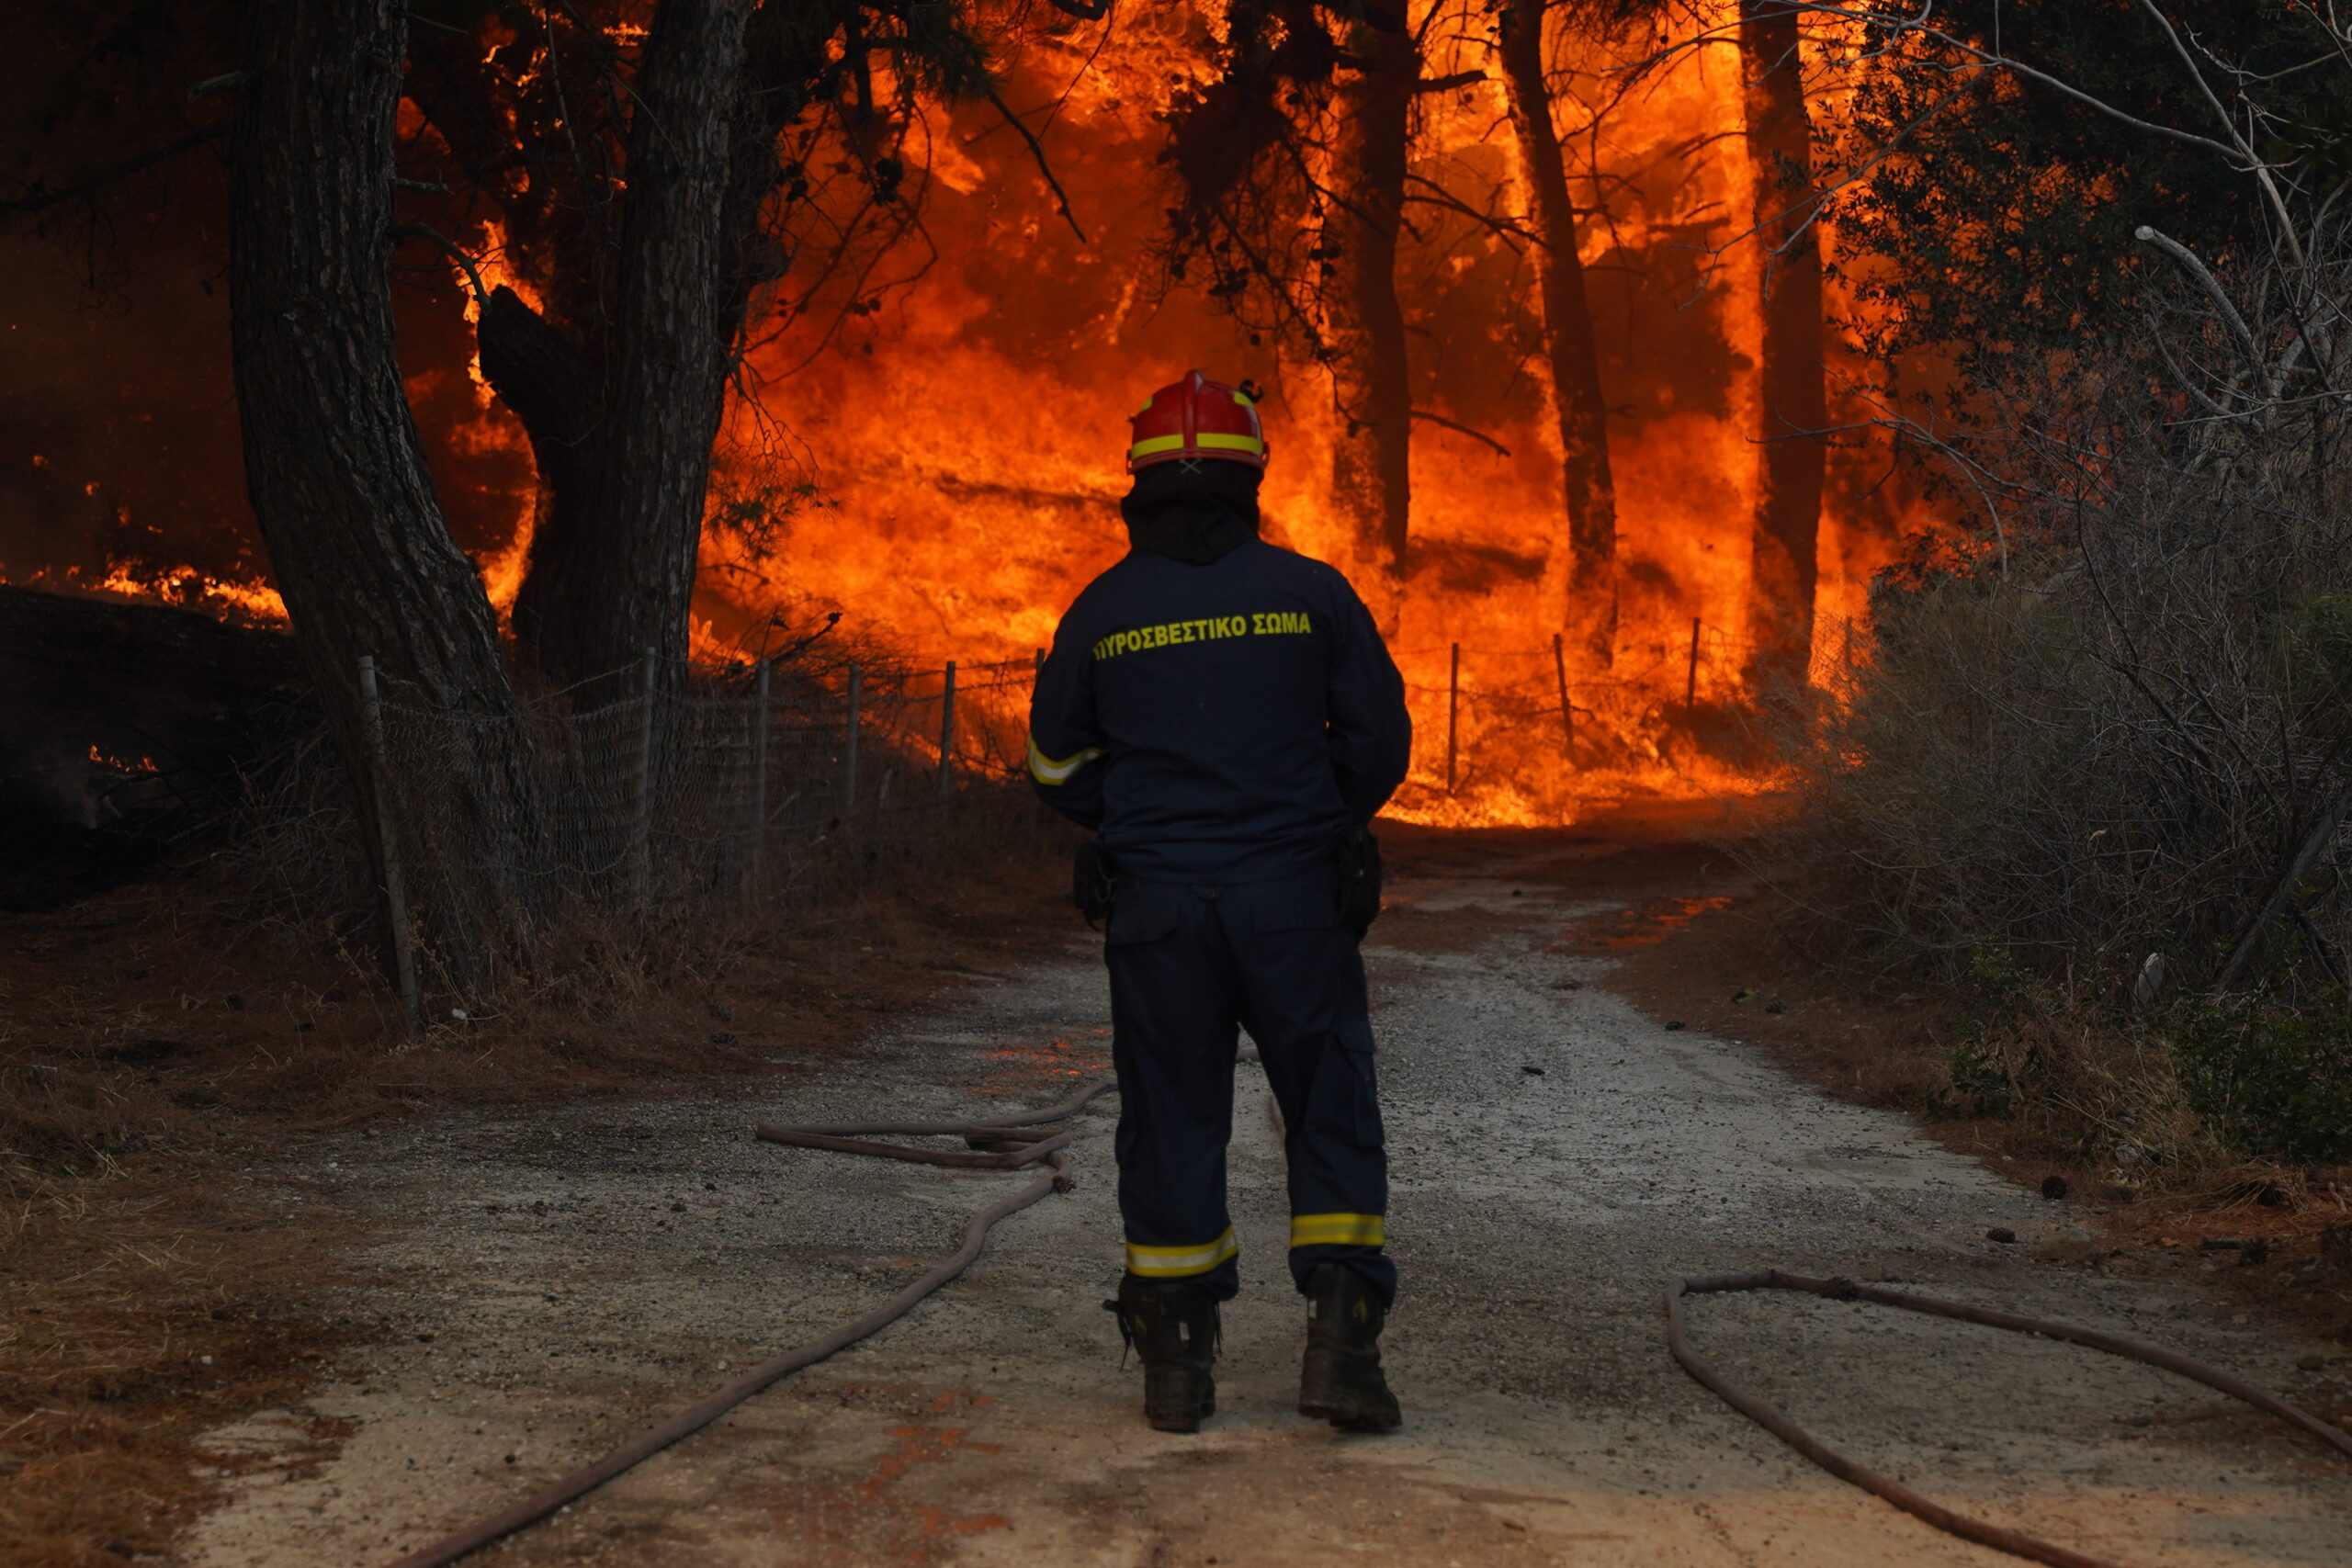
x,y
1193,510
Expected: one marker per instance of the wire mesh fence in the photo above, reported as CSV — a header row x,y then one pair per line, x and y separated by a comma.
x,y
1518,734
704,786
721,782
710,786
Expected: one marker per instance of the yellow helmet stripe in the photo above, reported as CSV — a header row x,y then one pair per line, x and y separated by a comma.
x,y
1207,440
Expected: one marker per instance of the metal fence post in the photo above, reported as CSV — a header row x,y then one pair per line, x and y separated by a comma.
x,y
760,724
1453,715
1567,711
947,732
849,747
641,833
1690,681
388,844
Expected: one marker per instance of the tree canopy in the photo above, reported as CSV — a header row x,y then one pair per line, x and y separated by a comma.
x,y
2005,155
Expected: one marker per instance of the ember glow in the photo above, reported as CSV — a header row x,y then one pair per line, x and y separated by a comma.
x,y
245,600
934,443
145,765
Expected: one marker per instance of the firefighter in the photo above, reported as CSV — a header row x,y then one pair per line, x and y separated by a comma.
x,y
1223,714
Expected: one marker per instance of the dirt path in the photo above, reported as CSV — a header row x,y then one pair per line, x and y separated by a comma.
x,y
554,1279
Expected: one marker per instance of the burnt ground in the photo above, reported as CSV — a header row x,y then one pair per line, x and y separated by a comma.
x,y
527,1283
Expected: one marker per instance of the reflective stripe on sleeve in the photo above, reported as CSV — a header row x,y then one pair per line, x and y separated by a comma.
x,y
1337,1230
1045,770
1174,1262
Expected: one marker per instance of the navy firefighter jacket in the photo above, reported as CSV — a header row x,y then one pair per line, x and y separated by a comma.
x,y
1218,723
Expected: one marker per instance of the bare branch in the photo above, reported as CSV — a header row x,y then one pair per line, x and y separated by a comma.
x,y
39,198
1462,429
1038,150
2254,160
2205,280
450,248
1503,227
2314,844
227,82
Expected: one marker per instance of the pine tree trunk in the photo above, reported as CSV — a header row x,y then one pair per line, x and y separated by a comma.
x,y
558,395
333,465
1589,491
615,575
1788,515
1364,329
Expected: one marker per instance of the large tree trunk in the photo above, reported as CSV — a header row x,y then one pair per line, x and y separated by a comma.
x,y
548,369
1794,407
1589,491
334,468
556,373
614,576
1364,326
547,382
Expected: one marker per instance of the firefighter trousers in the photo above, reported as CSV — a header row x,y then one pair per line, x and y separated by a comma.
x,y
1189,967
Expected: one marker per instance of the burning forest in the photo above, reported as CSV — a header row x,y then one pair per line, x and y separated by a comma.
x,y
1745,597
1540,305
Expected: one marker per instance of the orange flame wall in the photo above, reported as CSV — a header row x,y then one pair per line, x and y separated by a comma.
x,y
969,436
946,457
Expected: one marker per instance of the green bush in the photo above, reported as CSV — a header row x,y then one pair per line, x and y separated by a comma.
x,y
1982,1079
2271,1081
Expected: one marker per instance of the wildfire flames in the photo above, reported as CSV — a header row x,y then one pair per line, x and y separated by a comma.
x,y
251,602
940,461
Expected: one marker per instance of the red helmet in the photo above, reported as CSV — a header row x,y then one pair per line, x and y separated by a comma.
x,y
1198,418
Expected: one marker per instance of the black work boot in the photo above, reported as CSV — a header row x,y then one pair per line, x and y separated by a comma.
x,y
1172,1325
1342,1381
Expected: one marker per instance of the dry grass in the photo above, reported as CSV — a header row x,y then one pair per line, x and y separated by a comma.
x,y
153,1040
138,1311
1764,969
2092,779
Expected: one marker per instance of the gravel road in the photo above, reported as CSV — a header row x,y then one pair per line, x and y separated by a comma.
x,y
552,1278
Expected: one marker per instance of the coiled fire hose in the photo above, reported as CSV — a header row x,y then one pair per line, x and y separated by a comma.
x,y
997,1142
1027,1137
1773,1421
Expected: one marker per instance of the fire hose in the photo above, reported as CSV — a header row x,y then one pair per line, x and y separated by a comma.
x,y
1775,1422
998,1142
1026,1138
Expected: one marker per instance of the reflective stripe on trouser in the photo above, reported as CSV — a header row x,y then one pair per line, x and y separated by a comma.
x,y
1176,1262
1337,1230
1189,968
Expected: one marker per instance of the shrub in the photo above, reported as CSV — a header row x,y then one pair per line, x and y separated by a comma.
x,y
2114,718
2273,1082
